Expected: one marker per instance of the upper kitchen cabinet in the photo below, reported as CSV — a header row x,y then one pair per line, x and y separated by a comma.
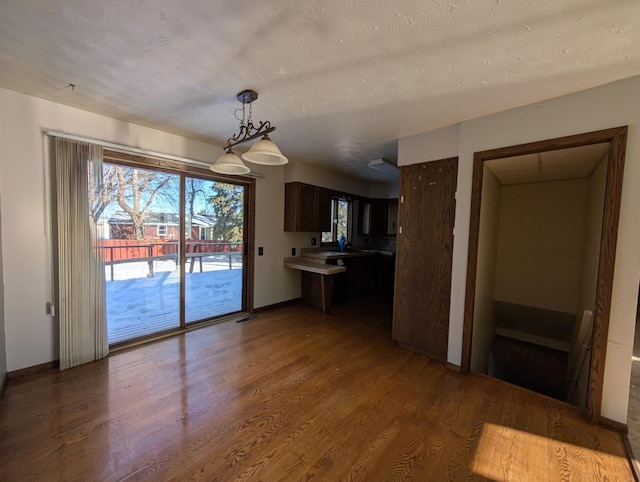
x,y
307,208
392,223
378,216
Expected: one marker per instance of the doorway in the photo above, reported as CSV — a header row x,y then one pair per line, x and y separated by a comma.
x,y
592,359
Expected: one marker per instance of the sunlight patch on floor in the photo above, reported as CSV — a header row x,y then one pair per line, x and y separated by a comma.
x,y
508,454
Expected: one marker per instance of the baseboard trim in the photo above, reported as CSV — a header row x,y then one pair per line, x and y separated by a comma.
x,y
5,378
24,372
613,425
276,306
635,465
421,352
454,367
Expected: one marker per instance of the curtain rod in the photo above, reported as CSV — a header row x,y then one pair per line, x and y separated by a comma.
x,y
121,147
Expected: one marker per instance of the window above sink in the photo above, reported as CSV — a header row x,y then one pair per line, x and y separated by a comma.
x,y
341,221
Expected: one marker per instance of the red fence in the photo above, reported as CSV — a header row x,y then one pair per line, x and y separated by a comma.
x,y
114,250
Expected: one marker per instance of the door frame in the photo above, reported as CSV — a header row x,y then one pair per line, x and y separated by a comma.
x,y
617,138
185,170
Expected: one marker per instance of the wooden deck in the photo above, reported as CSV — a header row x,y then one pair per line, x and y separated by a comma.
x,y
139,307
292,395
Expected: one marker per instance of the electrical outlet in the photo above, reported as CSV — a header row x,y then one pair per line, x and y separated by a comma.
x,y
260,251
386,241
314,241
293,251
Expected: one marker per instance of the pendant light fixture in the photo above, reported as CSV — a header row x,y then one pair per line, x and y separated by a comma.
x,y
263,152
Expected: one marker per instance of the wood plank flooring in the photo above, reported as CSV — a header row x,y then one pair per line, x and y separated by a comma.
x,y
292,395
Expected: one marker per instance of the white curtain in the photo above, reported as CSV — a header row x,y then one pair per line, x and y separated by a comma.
x,y
81,285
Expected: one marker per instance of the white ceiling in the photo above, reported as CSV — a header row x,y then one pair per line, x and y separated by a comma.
x,y
561,164
341,79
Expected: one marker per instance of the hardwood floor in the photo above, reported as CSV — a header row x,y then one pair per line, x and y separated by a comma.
x,y
292,395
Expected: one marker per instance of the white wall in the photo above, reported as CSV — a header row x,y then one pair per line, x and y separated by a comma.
x,y
540,238
273,283
592,237
604,107
431,146
484,325
384,191
31,336
3,345
310,174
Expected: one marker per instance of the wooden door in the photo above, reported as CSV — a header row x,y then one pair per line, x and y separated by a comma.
x,y
424,256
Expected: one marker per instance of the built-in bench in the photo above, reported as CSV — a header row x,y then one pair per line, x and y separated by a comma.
x,y
531,348
539,326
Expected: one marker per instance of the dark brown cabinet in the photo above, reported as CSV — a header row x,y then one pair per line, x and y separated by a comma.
x,y
323,209
424,257
392,223
386,268
307,208
373,216
363,276
378,216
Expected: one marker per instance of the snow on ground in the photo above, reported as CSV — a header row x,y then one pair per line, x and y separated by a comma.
x,y
138,305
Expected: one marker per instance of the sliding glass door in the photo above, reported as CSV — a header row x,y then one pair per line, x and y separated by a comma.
x,y
214,235
173,248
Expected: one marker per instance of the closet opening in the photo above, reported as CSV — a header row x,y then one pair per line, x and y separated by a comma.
x,y
541,251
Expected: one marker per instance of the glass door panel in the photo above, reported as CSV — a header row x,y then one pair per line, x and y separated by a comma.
x,y
214,234
138,222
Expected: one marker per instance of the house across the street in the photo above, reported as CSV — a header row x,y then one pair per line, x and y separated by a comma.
x,y
157,225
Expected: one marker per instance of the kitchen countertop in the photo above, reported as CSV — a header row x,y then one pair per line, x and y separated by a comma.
x,y
332,254
313,266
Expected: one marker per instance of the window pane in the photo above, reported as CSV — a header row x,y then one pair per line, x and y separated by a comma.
x,y
339,221
214,219
342,224
138,229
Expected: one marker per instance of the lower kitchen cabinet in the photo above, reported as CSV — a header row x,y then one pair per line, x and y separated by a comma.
x,y
386,274
365,274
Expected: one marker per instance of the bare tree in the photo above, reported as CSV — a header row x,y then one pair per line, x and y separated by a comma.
x,y
194,189
136,191
102,189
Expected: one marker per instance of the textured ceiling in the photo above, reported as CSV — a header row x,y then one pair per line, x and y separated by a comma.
x,y
341,80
